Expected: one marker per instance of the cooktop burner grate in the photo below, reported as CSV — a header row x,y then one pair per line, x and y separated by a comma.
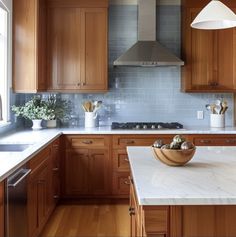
x,y
143,125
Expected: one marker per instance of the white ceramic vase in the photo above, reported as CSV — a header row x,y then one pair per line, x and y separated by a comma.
x,y
37,124
51,123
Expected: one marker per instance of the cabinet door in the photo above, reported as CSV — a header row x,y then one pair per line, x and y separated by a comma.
x,y
44,195
64,48
29,46
94,67
39,198
99,171
225,59
77,172
199,52
56,171
33,205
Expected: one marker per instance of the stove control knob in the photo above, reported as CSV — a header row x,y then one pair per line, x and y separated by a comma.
x,y
145,126
137,126
153,127
159,127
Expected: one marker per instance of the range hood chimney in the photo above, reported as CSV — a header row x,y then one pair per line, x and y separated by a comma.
x,y
147,52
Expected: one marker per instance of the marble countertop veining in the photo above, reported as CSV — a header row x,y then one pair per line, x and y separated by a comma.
x,y
10,161
209,178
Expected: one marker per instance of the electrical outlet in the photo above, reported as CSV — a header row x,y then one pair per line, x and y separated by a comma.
x,y
200,115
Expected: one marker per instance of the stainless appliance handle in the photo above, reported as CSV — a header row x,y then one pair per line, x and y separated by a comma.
x,y
23,173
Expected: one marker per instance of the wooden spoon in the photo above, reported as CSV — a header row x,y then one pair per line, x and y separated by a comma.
x,y
87,106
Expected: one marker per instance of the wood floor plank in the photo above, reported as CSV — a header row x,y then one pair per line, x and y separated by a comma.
x,y
89,221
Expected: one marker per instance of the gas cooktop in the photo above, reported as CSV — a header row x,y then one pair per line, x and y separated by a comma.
x,y
143,125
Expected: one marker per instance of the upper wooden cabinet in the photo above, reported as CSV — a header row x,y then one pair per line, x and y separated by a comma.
x,y
29,47
60,46
77,47
209,55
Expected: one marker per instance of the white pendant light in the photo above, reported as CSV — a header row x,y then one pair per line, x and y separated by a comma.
x,y
214,16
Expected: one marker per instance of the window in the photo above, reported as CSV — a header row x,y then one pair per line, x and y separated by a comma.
x,y
4,65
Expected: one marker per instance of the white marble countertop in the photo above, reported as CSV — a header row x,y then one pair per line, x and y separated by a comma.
x,y
208,179
187,130
10,161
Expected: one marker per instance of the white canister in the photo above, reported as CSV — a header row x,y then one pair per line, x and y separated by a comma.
x,y
217,120
90,119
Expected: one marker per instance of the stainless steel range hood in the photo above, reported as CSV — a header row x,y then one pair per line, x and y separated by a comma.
x,y
147,52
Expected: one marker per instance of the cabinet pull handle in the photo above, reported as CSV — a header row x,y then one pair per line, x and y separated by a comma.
x,y
231,141
56,146
83,84
87,142
55,169
78,84
127,182
56,197
129,142
131,211
41,181
205,141
126,159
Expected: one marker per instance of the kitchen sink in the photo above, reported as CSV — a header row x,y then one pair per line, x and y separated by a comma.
x,y
13,147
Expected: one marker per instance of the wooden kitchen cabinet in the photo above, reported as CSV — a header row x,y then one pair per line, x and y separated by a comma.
x,y
29,46
87,166
56,171
41,200
77,46
209,55
120,161
2,209
213,140
147,220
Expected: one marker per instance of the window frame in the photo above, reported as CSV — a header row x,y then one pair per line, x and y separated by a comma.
x,y
7,83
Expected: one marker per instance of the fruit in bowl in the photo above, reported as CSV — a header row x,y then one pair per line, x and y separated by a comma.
x,y
177,153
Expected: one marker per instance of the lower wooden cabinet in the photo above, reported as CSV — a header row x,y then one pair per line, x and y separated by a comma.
x,y
87,167
2,209
43,187
120,160
214,140
40,202
56,171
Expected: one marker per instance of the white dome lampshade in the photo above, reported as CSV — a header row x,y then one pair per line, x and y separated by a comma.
x,y
214,16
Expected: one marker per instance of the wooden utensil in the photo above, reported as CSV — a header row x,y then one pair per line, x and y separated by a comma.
x,y
87,106
224,106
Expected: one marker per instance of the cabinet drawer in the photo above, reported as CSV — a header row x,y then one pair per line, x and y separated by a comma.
x,y
156,219
37,161
124,141
218,141
87,141
121,161
121,183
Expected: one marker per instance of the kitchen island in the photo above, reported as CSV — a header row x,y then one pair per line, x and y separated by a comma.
x,y
196,200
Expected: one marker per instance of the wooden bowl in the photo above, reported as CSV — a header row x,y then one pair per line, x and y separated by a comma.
x,y
174,157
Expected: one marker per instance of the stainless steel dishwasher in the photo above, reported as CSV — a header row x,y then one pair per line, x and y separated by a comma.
x,y
16,204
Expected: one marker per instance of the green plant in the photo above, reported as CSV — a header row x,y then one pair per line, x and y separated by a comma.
x,y
33,109
57,108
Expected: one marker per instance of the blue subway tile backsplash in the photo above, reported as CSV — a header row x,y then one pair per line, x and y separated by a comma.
x,y
146,94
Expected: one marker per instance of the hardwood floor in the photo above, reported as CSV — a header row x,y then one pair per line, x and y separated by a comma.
x,y
89,221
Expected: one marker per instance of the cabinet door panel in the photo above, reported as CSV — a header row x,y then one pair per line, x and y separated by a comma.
x,y
226,51
202,56
64,48
99,171
94,48
77,172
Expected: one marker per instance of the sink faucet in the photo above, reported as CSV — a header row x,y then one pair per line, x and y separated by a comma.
x,y
0,108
